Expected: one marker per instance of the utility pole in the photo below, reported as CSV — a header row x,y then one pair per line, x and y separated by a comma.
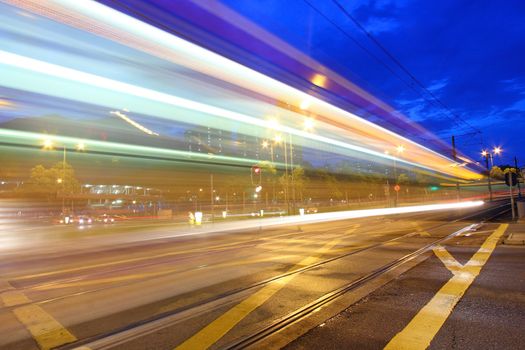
x,y
286,178
455,157
488,176
509,175
292,175
517,173
211,197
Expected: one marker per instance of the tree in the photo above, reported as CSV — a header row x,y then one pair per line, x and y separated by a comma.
x,y
402,179
496,173
58,179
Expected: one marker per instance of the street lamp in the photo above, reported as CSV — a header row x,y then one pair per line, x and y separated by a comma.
x,y
309,124
488,155
399,150
48,144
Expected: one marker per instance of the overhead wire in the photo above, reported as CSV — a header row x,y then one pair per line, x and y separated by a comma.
x,y
402,67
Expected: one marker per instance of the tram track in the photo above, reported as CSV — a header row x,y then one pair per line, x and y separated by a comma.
x,y
162,320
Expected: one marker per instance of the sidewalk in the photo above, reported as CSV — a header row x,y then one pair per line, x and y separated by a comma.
x,y
516,234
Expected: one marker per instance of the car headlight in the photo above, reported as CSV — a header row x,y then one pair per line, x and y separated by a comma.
x,y
81,221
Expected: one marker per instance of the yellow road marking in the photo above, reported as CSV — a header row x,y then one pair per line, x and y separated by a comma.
x,y
224,323
424,326
47,331
448,260
14,297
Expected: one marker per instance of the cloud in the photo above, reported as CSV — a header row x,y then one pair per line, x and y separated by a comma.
x,y
419,110
516,106
514,85
378,25
437,85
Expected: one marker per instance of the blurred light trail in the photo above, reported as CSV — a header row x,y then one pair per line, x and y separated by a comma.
x,y
134,123
331,216
106,22
15,137
69,74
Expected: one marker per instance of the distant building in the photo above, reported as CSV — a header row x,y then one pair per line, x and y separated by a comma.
x,y
208,140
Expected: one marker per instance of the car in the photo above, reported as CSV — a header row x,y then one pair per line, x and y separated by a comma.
x,y
106,219
84,220
64,219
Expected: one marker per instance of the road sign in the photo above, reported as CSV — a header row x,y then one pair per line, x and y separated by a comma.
x,y
397,188
511,179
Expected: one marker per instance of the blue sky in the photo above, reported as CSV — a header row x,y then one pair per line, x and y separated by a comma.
x,y
469,54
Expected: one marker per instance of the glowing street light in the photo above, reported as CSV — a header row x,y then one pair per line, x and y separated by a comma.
x,y
48,144
278,139
400,149
59,180
308,124
265,144
81,146
497,150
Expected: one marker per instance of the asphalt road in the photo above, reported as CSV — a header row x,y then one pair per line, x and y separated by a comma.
x,y
197,289
490,315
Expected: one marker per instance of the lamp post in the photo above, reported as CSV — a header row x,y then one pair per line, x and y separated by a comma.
x,y
399,150
49,145
308,126
488,155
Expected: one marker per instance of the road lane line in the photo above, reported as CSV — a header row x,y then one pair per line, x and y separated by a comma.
x,y
448,260
13,298
224,323
424,326
47,332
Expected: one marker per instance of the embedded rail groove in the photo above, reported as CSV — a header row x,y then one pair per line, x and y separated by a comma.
x,y
165,319
308,309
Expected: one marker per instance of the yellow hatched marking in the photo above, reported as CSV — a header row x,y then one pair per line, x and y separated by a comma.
x,y
448,260
14,297
418,334
47,332
224,323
